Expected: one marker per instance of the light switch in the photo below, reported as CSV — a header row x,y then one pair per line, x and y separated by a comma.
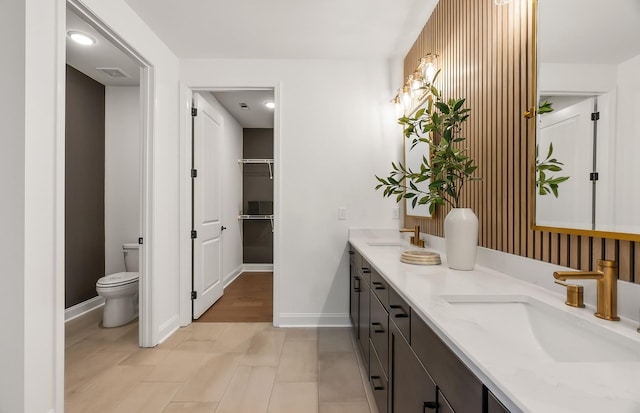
x,y
342,213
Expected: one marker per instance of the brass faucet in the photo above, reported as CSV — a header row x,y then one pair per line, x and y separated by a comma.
x,y
606,283
415,239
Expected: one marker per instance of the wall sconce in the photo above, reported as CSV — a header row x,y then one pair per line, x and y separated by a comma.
x,y
415,86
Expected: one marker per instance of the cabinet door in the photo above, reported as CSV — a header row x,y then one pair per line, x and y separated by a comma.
x,y
412,389
379,331
363,324
354,303
379,382
494,405
443,404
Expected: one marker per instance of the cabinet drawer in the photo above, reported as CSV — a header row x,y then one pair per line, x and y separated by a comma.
x,y
364,268
494,405
400,313
379,382
380,287
363,323
462,389
443,404
379,332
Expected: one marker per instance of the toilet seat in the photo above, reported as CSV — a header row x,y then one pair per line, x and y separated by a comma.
x,y
118,279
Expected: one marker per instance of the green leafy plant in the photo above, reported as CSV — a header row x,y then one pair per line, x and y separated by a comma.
x,y
548,184
544,183
446,166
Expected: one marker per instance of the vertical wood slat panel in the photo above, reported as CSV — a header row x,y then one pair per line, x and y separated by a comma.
x,y
485,54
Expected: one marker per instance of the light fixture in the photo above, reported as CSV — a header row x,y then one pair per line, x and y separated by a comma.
x,y
428,65
270,104
416,86
81,38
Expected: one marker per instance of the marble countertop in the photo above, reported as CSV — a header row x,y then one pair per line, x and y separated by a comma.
x,y
523,381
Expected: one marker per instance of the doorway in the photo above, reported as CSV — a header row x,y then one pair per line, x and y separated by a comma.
x,y
109,63
247,211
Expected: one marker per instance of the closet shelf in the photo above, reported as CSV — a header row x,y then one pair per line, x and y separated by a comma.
x,y
268,162
257,217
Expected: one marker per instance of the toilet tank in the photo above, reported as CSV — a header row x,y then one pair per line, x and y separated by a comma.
x,y
131,257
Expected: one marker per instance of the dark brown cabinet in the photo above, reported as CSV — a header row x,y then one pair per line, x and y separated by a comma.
x,y
410,369
412,389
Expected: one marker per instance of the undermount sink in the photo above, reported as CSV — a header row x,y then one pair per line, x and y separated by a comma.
x,y
388,243
539,328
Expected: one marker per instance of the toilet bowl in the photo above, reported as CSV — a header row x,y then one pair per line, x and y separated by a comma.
x,y
120,291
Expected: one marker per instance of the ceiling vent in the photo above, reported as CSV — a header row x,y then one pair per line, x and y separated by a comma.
x,y
112,71
244,106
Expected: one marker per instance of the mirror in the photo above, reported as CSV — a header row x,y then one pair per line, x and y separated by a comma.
x,y
588,121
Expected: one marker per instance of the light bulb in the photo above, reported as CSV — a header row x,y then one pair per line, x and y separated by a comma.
x,y
82,38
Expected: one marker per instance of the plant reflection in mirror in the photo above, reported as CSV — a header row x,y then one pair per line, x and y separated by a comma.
x,y
446,167
548,184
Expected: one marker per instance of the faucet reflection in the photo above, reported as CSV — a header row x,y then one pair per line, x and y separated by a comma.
x,y
607,287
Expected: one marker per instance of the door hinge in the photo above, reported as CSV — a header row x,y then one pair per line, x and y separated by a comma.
x,y
595,116
194,295
194,111
593,176
194,234
194,173
140,241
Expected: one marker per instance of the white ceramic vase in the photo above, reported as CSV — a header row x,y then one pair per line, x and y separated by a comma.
x,y
461,238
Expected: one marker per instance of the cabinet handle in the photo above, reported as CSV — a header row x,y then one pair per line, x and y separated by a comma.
x,y
429,405
366,270
401,314
356,285
379,386
378,285
377,330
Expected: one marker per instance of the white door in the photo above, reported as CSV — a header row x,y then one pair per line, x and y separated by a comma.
x,y
570,130
207,139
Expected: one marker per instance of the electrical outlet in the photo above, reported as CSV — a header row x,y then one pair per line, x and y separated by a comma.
x,y
395,213
342,213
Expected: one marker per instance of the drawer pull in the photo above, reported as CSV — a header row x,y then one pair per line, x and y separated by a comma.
x,y
366,270
377,330
429,405
379,386
401,314
378,285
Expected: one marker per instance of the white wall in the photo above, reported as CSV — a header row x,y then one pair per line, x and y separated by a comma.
x,y
122,173
12,207
231,189
576,78
627,148
336,130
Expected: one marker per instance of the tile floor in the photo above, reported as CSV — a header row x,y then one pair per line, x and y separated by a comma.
x,y
213,367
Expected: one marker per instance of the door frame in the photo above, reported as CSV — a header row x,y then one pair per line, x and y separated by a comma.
x,y
146,332
186,97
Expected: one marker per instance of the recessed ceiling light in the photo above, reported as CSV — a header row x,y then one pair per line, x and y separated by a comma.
x,y
81,38
270,104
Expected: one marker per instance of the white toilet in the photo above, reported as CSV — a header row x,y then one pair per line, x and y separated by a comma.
x,y
120,290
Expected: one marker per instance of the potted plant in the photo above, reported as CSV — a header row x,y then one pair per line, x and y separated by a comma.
x,y
446,167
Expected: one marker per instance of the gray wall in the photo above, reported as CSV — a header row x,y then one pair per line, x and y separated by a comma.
x,y
256,186
84,193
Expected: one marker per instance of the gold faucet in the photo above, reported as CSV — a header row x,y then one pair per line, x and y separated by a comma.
x,y
607,287
415,239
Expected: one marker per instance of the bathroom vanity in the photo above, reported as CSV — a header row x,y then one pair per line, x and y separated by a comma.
x,y
434,339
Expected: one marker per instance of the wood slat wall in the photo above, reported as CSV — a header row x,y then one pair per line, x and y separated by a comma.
x,y
485,54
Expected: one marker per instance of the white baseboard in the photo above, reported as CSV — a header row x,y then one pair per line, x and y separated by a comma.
x,y
83,308
257,267
229,278
168,328
314,320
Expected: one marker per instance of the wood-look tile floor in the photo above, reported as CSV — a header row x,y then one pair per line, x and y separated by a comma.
x,y
212,367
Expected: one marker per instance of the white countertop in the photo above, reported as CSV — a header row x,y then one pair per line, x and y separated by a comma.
x,y
523,381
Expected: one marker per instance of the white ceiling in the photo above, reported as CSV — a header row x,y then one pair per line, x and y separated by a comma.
x,y
596,32
103,54
331,29
257,115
